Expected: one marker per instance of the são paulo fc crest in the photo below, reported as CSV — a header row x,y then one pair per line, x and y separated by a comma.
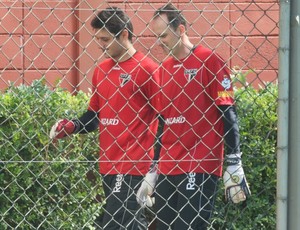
x,y
124,78
226,83
190,73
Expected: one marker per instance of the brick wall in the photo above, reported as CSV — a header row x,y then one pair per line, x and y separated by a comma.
x,y
54,39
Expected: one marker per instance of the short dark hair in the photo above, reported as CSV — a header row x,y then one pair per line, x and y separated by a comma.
x,y
174,15
114,20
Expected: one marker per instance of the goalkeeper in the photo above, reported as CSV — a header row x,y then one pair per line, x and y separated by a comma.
x,y
124,89
198,111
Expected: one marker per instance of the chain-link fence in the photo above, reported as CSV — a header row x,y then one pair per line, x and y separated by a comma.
x,y
49,55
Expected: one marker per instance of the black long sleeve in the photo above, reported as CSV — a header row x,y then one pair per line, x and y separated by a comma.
x,y
158,144
231,129
88,122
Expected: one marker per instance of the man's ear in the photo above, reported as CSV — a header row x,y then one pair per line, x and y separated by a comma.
x,y
125,34
181,29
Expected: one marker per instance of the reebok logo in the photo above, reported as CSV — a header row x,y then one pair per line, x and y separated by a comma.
x,y
191,181
118,184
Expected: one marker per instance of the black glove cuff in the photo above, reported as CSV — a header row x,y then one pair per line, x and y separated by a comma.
x,y
77,126
233,159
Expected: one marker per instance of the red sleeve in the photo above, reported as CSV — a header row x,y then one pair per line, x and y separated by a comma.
x,y
220,84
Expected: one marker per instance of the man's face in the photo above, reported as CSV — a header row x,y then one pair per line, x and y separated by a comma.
x,y
167,36
110,45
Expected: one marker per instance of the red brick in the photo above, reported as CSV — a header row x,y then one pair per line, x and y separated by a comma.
x,y
223,1
203,1
147,46
45,52
45,17
11,17
255,52
218,44
87,10
152,2
254,18
260,78
11,52
266,76
85,83
251,47
206,19
91,4
8,77
53,78
62,78
259,1
141,15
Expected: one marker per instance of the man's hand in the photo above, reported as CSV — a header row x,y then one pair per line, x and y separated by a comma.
x,y
61,129
236,186
144,193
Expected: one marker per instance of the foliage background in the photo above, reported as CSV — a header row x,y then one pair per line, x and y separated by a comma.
x,y
45,185
257,111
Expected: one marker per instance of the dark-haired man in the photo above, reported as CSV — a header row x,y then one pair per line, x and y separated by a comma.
x,y
124,93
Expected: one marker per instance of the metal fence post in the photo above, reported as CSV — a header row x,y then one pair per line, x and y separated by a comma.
x,y
283,107
294,115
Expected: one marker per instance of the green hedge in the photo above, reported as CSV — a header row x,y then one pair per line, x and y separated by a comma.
x,y
257,110
43,184
46,185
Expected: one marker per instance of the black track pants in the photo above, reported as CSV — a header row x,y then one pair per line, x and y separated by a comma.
x,y
122,210
185,201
